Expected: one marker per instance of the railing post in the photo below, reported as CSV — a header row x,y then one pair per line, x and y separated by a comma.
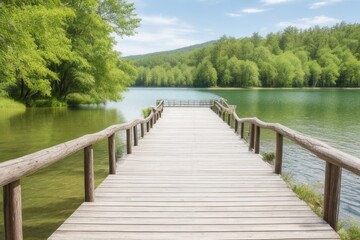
x,y
128,141
257,140
12,211
332,194
151,122
223,116
89,174
154,118
135,135
252,135
142,128
236,126
229,119
148,126
278,153
242,126
112,155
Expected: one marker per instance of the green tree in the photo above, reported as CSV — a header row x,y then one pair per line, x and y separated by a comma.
x,y
205,74
285,71
315,72
31,40
249,74
64,49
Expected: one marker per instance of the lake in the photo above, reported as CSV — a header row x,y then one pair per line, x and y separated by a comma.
x,y
329,115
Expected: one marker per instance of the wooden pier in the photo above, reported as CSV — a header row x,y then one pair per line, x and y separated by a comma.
x,y
188,174
193,178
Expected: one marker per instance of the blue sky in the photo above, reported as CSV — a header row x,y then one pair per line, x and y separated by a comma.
x,y
172,24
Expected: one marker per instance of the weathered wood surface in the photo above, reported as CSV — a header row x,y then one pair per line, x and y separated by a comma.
x,y
193,178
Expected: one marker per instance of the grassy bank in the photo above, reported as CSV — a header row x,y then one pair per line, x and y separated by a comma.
x,y
309,194
9,103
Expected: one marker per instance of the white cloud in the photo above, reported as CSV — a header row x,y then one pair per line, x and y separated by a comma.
x,y
310,22
271,2
158,33
253,10
246,11
324,3
234,14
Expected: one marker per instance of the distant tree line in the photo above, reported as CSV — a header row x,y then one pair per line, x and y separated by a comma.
x,y
316,57
62,50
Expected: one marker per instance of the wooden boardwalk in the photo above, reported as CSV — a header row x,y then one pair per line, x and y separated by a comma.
x,y
191,177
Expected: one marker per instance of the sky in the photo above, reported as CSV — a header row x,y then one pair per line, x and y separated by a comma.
x,y
173,24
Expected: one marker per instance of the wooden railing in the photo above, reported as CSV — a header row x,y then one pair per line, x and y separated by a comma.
x,y
13,170
188,103
334,158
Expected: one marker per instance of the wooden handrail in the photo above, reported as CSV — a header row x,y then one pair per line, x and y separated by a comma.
x,y
12,171
334,158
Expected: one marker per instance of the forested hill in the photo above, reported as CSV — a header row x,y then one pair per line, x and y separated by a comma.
x,y
316,57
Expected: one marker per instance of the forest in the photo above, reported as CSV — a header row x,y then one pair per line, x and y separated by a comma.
x,y
315,57
61,51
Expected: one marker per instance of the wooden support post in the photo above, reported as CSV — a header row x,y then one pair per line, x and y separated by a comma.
x,y
257,140
236,126
252,136
142,128
278,153
112,154
148,126
332,194
242,126
89,174
229,119
12,211
154,118
151,123
223,116
128,141
135,135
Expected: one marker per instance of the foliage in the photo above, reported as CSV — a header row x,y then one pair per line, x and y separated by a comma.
x,y
307,193
310,195
64,50
315,57
146,112
269,157
350,232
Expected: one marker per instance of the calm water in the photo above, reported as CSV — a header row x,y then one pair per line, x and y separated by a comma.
x,y
329,115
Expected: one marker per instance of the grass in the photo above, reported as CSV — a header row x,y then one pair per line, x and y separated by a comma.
x,y
268,157
309,194
350,232
10,103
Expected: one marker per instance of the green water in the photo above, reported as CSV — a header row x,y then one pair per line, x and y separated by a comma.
x,y
52,194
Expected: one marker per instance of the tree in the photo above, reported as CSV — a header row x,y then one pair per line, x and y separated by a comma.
x,y
315,72
285,71
31,40
205,75
64,49
249,74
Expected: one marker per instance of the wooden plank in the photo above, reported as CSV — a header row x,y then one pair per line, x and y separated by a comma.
x,y
193,178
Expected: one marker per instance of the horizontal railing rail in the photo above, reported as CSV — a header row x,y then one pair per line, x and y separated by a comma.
x,y
334,158
13,170
188,103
